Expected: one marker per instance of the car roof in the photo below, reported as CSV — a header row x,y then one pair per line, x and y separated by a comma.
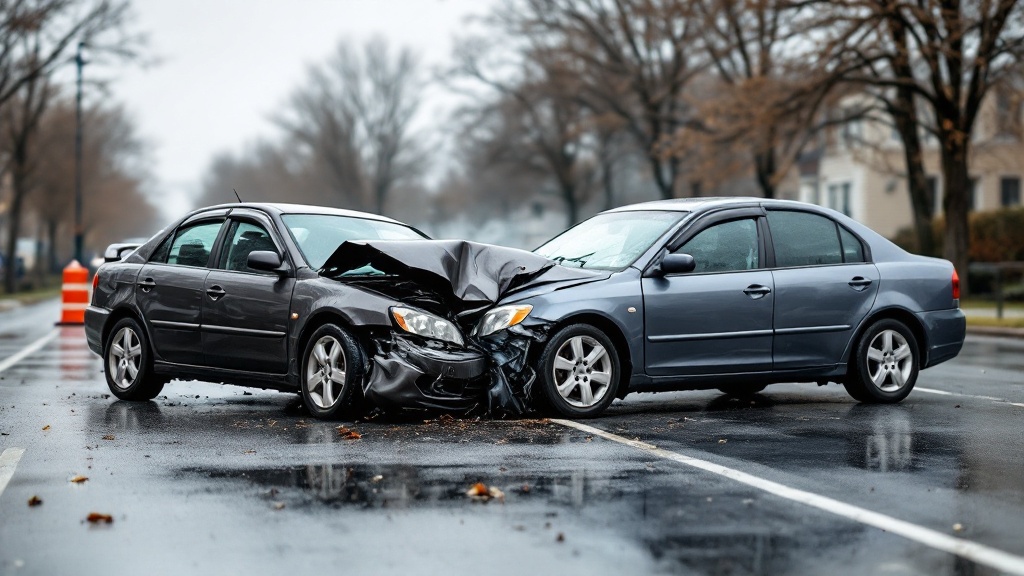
x,y
710,203
286,208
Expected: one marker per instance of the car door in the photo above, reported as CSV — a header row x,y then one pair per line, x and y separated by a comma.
x,y
824,287
716,319
245,311
169,290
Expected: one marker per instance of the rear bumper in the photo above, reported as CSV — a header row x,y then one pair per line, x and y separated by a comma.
x,y
95,320
945,330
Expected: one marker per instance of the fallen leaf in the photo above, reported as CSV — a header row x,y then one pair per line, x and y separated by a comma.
x,y
108,437
47,427
78,479
482,493
35,501
525,489
96,518
347,433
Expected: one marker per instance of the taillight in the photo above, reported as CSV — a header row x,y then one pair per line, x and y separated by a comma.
x,y
95,283
956,285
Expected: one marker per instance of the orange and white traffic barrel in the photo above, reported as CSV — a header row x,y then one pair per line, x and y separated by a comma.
x,y
74,294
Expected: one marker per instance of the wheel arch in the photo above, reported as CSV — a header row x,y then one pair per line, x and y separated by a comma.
x,y
905,317
618,338
118,314
330,316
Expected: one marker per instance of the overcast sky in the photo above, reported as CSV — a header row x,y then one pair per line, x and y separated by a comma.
x,y
226,65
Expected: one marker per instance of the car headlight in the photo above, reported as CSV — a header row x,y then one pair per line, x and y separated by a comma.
x,y
426,325
502,317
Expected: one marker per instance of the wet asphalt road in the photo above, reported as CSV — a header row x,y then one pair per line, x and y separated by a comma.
x,y
223,480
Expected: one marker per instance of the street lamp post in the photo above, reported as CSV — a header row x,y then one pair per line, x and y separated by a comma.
x,y
79,63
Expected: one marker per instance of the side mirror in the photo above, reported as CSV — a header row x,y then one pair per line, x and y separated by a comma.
x,y
264,260
677,264
119,251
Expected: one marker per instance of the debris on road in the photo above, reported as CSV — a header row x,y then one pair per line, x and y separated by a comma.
x,y
35,501
347,433
480,492
108,436
98,518
47,427
560,537
277,505
722,441
958,527
78,479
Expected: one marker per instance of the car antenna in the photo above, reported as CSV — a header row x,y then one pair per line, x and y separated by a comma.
x,y
237,196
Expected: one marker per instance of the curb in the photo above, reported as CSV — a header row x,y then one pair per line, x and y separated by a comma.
x,y
995,331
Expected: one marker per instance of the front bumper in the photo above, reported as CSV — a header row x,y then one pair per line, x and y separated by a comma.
x,y
945,331
491,376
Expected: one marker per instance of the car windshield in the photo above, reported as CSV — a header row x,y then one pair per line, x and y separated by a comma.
x,y
319,235
610,241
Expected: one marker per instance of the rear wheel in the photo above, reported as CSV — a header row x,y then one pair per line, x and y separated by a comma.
x,y
885,364
579,372
332,371
128,364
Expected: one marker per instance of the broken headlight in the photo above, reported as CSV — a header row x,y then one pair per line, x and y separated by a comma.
x,y
502,317
426,325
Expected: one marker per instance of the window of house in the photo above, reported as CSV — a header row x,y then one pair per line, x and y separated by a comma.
x,y
1010,191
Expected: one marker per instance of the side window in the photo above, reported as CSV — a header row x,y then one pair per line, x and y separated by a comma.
x,y
803,239
192,245
245,238
724,247
853,250
159,255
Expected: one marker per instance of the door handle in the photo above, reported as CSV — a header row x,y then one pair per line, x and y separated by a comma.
x,y
215,292
147,284
859,283
757,291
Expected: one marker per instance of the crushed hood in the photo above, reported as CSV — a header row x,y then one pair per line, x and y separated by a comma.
x,y
460,276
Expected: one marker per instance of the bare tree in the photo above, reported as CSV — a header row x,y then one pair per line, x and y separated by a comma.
x,y
630,59
354,121
946,55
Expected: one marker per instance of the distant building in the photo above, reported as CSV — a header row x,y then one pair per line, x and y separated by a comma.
x,y
860,170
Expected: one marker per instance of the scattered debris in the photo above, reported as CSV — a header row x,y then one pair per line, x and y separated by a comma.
x,y
35,501
958,527
47,427
377,478
248,451
277,505
525,489
347,433
108,437
246,393
480,492
78,479
97,518
560,537
722,441
957,406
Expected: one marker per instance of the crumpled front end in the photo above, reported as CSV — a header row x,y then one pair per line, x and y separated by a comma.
x,y
491,376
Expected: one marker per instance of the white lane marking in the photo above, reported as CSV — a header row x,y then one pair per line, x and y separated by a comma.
x,y
28,350
8,462
968,549
975,396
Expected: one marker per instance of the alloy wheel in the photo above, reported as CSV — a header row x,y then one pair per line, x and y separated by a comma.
x,y
582,371
124,359
890,361
325,372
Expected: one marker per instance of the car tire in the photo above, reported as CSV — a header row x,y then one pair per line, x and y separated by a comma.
x,y
885,364
128,363
742,390
578,372
332,372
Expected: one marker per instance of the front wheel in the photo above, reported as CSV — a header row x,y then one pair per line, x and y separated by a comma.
x,y
579,372
127,363
885,364
332,370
